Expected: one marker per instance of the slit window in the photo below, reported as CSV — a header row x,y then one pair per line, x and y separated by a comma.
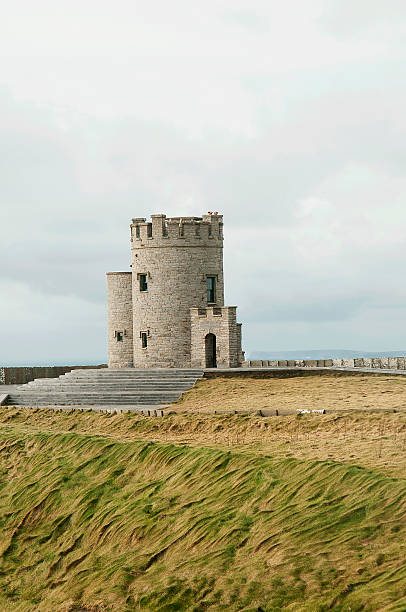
x,y
119,336
144,339
211,289
143,282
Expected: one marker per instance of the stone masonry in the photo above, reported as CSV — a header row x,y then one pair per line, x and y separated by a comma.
x,y
169,310
120,319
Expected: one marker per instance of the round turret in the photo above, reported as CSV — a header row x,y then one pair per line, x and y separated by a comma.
x,y
120,319
177,264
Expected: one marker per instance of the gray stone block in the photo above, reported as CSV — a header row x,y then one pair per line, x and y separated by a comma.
x,y
348,363
401,363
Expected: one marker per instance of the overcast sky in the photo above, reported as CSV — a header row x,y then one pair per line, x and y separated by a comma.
x,y
287,117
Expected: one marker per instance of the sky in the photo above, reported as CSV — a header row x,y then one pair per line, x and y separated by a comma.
x,y
286,117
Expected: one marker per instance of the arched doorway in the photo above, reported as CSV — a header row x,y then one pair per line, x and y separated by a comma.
x,y
210,351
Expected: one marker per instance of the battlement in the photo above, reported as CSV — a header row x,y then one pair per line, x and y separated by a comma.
x,y
177,231
213,313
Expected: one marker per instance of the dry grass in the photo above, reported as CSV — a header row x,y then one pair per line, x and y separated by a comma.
x,y
373,440
287,394
208,512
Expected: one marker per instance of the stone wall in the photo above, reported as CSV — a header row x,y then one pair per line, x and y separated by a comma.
x,y
382,363
20,376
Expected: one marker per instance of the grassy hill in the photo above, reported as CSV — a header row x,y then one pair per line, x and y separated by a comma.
x,y
202,512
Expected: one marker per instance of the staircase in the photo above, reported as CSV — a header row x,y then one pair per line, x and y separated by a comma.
x,y
107,387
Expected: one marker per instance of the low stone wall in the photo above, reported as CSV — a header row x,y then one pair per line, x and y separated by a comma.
x,y
381,363
20,376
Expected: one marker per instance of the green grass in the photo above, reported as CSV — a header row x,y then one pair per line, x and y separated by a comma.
x,y
92,523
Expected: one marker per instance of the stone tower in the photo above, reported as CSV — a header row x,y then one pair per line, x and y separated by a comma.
x,y
169,311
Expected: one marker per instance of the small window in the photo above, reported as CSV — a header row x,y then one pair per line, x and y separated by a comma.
x,y
211,289
137,231
119,336
143,282
149,230
144,339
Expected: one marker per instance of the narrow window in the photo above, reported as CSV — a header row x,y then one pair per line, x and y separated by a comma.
x,y
119,336
143,282
144,339
149,230
137,231
211,289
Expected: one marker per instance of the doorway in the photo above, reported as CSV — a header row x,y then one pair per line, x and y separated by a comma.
x,y
210,351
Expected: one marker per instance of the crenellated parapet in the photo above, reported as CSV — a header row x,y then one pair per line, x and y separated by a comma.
x,y
163,231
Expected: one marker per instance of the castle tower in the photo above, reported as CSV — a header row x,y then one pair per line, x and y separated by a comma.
x,y
175,298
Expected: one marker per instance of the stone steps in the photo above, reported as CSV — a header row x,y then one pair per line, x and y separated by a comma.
x,y
133,373
110,385
106,387
95,399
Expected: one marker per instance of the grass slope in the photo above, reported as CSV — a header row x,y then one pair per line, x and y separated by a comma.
x,y
94,522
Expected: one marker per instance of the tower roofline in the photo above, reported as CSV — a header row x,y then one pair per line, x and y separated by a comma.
x,y
179,231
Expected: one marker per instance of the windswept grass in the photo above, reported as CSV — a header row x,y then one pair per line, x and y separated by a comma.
x,y
91,523
373,440
195,512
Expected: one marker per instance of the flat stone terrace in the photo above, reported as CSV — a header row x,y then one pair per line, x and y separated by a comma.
x,y
146,391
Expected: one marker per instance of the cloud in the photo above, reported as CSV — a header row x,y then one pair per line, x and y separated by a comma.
x,y
350,19
288,118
